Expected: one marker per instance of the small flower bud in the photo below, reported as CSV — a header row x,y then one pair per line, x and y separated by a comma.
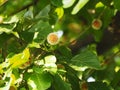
x,y
96,24
54,37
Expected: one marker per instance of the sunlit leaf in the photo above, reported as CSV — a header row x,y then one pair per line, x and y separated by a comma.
x,y
39,81
68,3
99,4
33,44
79,6
50,59
50,64
19,59
7,28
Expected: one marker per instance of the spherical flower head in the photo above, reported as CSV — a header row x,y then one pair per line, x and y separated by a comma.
x,y
53,38
96,24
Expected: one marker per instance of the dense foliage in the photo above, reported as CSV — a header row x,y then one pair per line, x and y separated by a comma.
x,y
59,45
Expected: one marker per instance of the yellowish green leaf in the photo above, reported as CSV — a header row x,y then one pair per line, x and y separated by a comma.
x,y
60,12
19,59
99,4
2,2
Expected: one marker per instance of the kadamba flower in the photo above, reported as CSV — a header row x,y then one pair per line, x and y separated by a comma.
x,y
54,37
96,24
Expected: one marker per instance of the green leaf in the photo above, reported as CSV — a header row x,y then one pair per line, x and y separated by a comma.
x,y
57,3
86,58
63,53
28,14
26,36
3,38
79,6
13,7
38,69
23,88
39,26
106,2
97,34
59,84
73,77
107,16
117,4
74,81
116,79
43,13
98,86
39,81
43,29
108,72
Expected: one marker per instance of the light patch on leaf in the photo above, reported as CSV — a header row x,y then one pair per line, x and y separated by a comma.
x,y
32,84
79,6
50,64
50,59
8,83
68,3
41,81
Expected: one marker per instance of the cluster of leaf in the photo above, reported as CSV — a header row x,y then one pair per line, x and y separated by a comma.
x,y
29,62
